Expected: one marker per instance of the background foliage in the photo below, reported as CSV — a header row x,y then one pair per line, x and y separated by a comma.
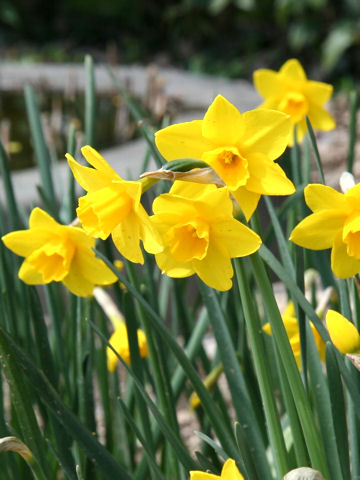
x,y
231,37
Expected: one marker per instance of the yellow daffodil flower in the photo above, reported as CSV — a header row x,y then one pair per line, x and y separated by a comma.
x,y
335,224
292,329
289,91
228,472
59,253
200,234
119,341
343,333
112,206
241,148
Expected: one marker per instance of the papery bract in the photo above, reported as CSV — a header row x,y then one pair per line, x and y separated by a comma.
x,y
200,234
343,333
334,224
289,91
241,148
112,206
59,253
228,472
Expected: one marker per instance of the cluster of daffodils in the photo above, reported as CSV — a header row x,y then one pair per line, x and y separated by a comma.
x,y
193,228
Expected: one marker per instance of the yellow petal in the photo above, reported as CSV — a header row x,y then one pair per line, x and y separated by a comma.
x,y
29,275
148,232
267,132
223,124
24,242
268,83
40,219
78,284
126,237
342,264
89,178
97,161
319,230
197,475
230,471
267,177
321,197
92,268
343,333
247,201
182,140
293,71
215,269
320,118
236,238
172,267
318,92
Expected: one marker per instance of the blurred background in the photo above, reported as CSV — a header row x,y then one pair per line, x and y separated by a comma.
x,y
222,37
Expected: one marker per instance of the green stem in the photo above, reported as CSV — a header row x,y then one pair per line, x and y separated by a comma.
x,y
257,348
311,435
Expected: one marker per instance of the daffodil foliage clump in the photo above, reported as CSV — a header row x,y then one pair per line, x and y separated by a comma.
x,y
147,304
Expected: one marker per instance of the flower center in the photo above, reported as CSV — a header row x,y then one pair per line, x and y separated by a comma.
x,y
188,241
53,259
295,105
230,165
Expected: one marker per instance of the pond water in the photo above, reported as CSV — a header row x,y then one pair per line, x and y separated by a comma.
x,y
113,123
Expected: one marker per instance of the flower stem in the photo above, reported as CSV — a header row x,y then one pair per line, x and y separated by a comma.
x,y
254,331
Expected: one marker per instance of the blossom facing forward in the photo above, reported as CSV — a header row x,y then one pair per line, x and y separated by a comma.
x,y
289,91
119,341
291,325
335,224
200,234
241,148
112,206
228,472
343,333
58,253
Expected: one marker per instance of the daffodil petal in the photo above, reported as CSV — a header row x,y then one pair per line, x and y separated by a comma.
x,y
215,269
172,267
318,92
97,161
320,118
89,178
267,177
318,231
268,83
24,242
293,71
29,275
223,124
246,200
342,264
78,284
321,197
343,333
236,238
41,219
126,237
231,471
197,475
148,232
182,140
267,132
92,268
